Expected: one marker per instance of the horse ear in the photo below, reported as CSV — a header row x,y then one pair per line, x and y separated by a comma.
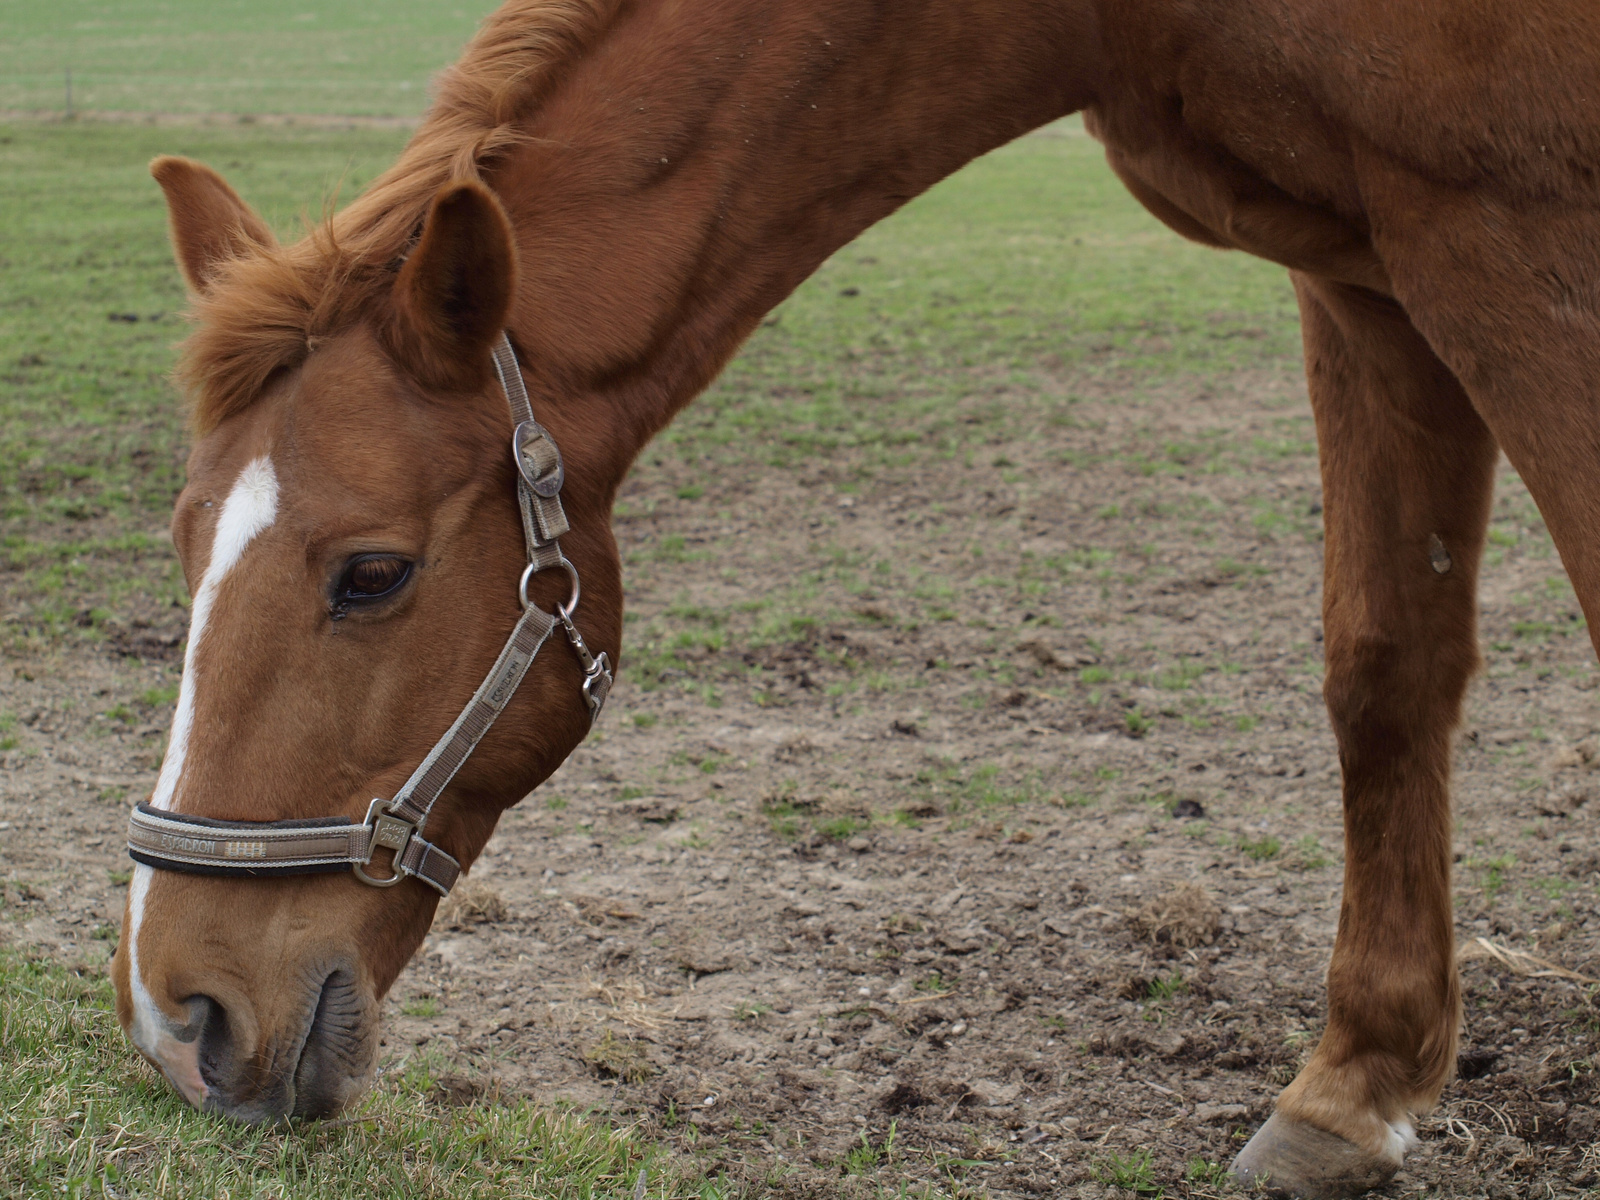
x,y
453,294
210,224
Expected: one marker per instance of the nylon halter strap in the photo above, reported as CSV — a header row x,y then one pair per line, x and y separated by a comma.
x,y
202,846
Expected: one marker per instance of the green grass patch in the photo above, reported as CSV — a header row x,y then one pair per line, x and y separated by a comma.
x,y
1493,873
84,1117
1207,1172
157,696
1260,849
954,789
1132,1172
92,439
841,828
869,1156
201,56
1164,988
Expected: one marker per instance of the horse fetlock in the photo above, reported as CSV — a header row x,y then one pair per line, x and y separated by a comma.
x,y
1341,1127
1368,1100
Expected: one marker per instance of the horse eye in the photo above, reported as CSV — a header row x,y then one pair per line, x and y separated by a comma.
x,y
372,576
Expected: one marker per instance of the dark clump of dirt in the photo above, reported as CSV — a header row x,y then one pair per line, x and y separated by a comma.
x,y
982,831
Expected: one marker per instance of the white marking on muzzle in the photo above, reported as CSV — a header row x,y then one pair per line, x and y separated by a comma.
x,y
250,508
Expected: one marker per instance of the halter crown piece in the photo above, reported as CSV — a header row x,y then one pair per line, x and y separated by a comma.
x,y
202,846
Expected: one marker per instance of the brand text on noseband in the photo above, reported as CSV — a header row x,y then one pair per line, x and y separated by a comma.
x,y
187,845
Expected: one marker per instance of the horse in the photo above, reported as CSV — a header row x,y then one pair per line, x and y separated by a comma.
x,y
602,202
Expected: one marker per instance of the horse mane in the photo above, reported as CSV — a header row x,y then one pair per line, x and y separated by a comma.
x,y
266,309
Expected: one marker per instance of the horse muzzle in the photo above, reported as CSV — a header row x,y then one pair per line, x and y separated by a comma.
x,y
318,1058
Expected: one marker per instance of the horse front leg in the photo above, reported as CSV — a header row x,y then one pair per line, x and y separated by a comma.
x,y
1407,469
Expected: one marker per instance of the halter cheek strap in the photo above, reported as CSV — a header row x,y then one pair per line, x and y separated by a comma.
x,y
203,846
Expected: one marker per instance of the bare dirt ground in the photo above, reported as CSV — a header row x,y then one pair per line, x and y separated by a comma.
x,y
975,826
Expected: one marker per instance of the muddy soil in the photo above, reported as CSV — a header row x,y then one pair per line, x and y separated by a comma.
x,y
971,822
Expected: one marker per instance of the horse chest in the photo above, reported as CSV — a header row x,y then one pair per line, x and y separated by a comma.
x,y
1279,189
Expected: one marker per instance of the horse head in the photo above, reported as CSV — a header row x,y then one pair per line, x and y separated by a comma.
x,y
351,536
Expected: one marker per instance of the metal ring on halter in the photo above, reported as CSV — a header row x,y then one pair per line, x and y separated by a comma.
x,y
378,883
571,606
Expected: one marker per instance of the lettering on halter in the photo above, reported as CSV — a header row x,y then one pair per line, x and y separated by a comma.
x,y
244,849
510,676
188,845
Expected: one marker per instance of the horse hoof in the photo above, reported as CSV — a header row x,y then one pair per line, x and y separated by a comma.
x,y
1293,1159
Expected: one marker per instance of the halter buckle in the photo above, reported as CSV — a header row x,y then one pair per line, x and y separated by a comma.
x,y
389,831
540,465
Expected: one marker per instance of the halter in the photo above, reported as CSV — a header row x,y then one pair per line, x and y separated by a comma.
x,y
203,846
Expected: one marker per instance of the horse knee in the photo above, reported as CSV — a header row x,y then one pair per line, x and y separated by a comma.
x,y
1387,692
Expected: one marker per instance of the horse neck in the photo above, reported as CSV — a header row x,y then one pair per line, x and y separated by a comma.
x,y
702,158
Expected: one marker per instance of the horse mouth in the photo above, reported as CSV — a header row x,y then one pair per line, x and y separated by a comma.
x,y
321,1070
336,1057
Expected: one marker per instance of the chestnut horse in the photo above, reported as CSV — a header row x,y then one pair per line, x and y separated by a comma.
x,y
625,187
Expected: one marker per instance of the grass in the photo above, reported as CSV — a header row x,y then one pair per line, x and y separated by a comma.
x,y
1494,872
1165,988
1132,1172
1260,849
619,1058
83,1116
955,789
204,56
867,1156
841,828
1309,853
92,437
1207,1172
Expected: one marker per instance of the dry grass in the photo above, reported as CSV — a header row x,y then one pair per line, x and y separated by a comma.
x,y
1518,962
1185,917
619,1058
471,903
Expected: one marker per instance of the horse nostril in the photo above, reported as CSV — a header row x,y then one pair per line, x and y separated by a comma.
x,y
216,1043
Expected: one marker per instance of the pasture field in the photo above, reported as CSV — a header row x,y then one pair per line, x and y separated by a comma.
x,y
965,820
229,56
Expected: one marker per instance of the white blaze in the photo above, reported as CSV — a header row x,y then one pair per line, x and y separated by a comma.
x,y
251,507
